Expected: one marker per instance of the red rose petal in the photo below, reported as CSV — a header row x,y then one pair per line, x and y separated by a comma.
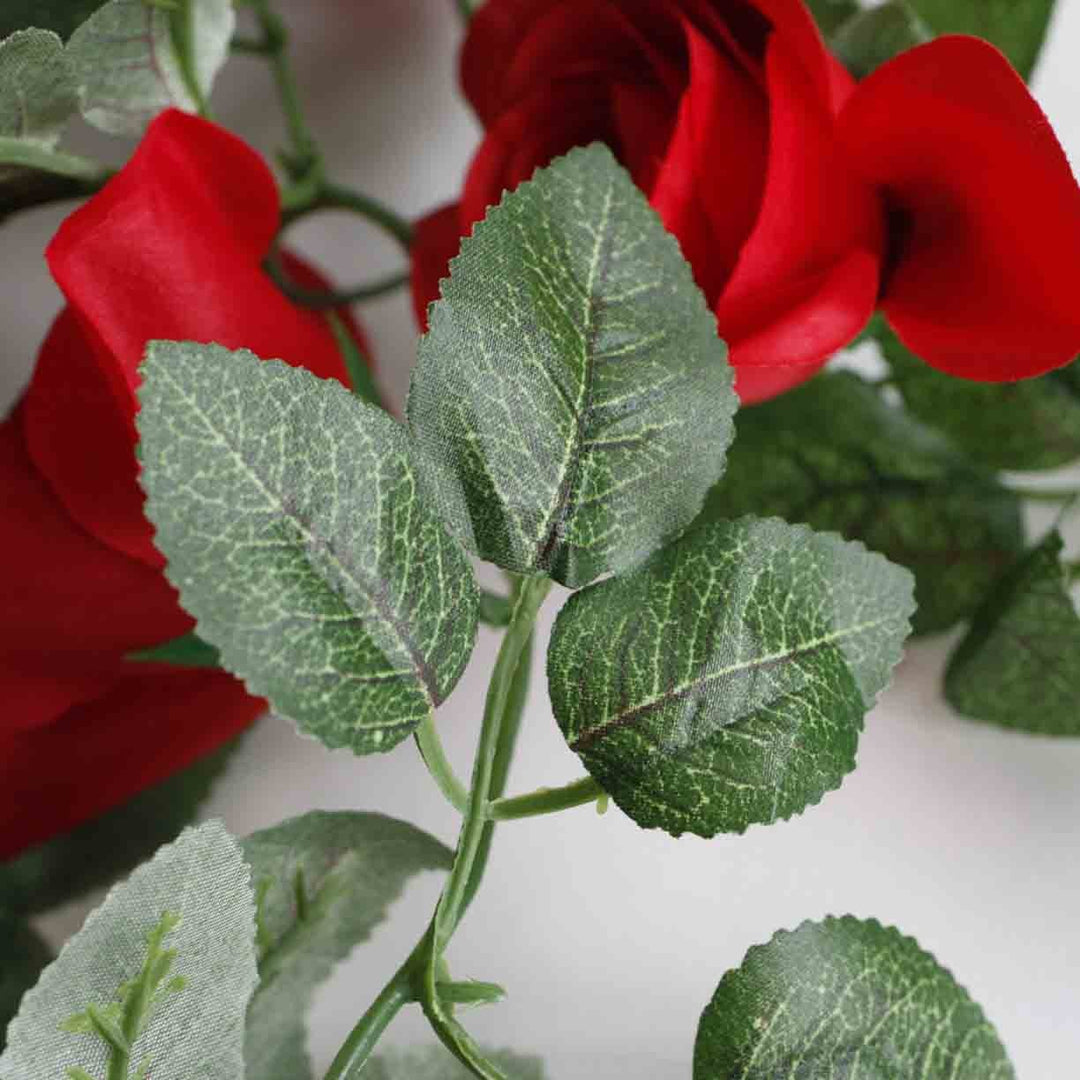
x,y
102,752
986,265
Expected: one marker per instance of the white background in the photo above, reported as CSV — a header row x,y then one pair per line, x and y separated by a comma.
x,y
611,939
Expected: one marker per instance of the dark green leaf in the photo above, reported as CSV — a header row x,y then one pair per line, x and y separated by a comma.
x,y
196,894
37,87
1019,665
869,38
831,13
22,956
833,454
841,999
725,682
1032,424
324,881
290,514
1016,27
59,869
437,1063
571,398
60,16
187,651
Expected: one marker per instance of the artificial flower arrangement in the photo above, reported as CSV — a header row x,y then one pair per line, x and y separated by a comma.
x,y
679,212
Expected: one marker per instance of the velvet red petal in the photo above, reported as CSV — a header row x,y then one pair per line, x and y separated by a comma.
x,y
436,240
71,605
103,751
986,259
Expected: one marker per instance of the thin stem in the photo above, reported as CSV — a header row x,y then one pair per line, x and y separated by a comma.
x,y
361,380
531,594
546,800
333,196
442,772
181,20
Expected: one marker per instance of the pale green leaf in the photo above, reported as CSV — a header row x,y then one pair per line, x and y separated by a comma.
x,y
572,399
202,880
841,999
324,881
725,682
134,58
830,14
22,956
882,477
1019,665
871,37
437,1063
37,88
290,514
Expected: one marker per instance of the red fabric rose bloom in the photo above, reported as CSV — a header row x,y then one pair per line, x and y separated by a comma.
x,y
171,248
934,189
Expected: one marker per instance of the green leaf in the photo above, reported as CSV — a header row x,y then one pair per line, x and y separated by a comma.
x,y
134,58
1017,27
290,514
22,956
1028,425
572,400
60,16
840,999
324,881
831,13
725,682
869,38
881,477
437,1063
37,88
200,885
59,870
187,651
1019,665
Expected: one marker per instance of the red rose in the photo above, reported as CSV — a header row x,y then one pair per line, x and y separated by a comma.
x,y
171,248
935,189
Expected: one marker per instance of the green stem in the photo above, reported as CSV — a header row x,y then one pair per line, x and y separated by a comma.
x,y
331,196
442,772
321,301
546,800
181,27
356,363
530,596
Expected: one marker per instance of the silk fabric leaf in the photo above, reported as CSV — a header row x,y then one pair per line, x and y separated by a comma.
x,y
869,38
571,399
845,998
323,881
37,88
724,683
290,513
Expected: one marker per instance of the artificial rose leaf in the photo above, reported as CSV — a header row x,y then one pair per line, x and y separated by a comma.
x,y
60,16
831,14
835,455
437,1063
188,650
134,58
1019,665
290,513
198,889
1032,424
323,882
844,998
1017,27
869,38
571,399
37,87
22,956
58,870
724,683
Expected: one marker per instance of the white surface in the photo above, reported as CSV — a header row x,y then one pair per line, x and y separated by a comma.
x,y
609,939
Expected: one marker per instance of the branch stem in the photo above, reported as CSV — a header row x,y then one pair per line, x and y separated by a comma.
x,y
545,800
442,772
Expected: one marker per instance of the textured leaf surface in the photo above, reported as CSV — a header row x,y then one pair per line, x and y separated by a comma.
x,y
572,399
37,88
60,16
725,682
1032,424
869,38
201,878
324,882
59,870
842,999
1017,27
437,1063
22,956
291,518
881,477
134,58
1019,665
832,13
